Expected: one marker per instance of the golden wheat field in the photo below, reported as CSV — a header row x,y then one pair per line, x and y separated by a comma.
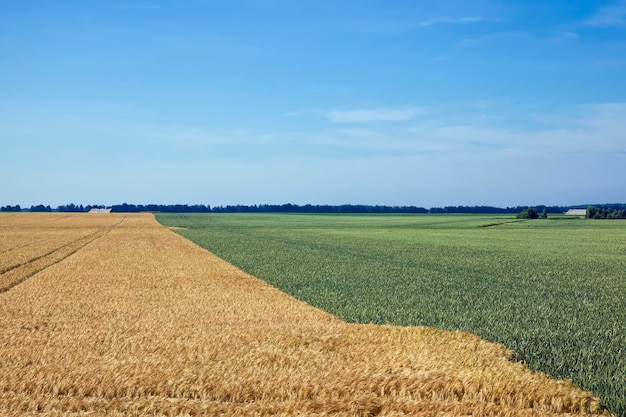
x,y
110,314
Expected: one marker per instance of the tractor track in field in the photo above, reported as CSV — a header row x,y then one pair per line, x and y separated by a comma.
x,y
17,274
12,249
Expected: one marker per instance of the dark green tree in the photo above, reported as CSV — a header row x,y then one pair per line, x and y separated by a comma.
x,y
40,208
605,213
529,213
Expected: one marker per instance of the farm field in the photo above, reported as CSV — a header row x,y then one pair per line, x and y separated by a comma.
x,y
553,291
31,243
137,321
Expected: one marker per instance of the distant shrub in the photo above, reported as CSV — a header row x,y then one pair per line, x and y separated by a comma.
x,y
529,213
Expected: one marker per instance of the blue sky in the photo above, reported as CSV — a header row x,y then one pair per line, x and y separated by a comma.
x,y
427,103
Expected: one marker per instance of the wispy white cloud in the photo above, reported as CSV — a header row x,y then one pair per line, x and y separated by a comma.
x,y
593,128
469,42
494,37
374,115
399,24
454,20
359,160
613,15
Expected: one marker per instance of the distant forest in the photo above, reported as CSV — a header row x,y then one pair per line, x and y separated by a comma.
x,y
610,211
605,212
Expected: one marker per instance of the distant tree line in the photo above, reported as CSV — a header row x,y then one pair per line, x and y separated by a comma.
x,y
308,208
344,208
163,208
73,208
496,210
606,212
266,208
611,211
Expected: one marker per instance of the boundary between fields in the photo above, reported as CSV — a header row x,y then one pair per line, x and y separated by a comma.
x,y
502,223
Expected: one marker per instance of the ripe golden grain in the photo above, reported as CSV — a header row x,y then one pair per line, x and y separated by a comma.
x,y
139,321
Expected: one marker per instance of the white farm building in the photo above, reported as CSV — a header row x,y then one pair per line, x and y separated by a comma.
x,y
576,212
100,210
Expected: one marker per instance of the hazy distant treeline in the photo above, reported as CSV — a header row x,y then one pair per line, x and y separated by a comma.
x,y
267,208
604,210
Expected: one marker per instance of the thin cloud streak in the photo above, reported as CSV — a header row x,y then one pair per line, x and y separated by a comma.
x,y
455,20
594,128
492,37
374,115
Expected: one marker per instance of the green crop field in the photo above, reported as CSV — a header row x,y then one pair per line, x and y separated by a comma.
x,y
553,291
